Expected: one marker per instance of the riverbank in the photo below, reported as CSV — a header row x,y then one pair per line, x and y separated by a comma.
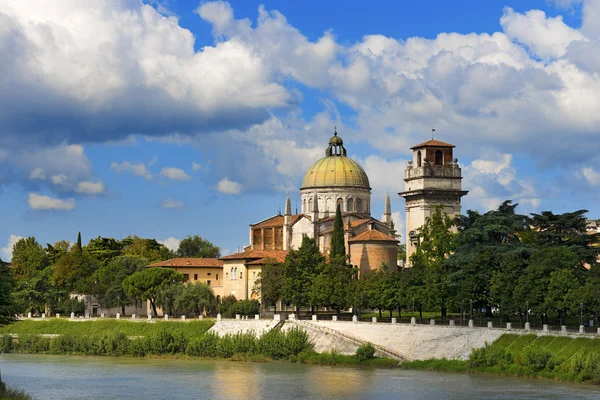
x,y
557,358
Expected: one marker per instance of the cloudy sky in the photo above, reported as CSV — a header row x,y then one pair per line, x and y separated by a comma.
x,y
165,118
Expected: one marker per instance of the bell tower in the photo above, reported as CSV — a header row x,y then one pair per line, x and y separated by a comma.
x,y
432,178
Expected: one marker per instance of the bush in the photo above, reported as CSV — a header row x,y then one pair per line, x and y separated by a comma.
x,y
33,344
204,346
365,352
535,357
6,344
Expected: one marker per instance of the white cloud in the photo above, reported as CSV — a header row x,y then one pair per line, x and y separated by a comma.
x,y
173,204
90,188
591,175
6,252
39,202
134,169
37,173
171,243
196,167
136,70
174,174
60,179
227,186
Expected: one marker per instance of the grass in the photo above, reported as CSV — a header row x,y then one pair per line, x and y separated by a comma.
x,y
189,329
517,345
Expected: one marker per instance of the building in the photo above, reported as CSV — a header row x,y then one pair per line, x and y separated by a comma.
x,y
205,270
432,178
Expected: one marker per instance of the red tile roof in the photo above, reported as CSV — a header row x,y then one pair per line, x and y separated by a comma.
x,y
372,236
190,262
257,254
276,221
353,224
263,261
433,143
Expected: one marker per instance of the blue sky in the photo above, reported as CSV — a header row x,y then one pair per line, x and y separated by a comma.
x,y
170,118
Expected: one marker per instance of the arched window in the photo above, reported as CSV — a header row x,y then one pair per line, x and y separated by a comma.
x,y
304,206
439,158
350,205
310,205
340,202
359,205
419,158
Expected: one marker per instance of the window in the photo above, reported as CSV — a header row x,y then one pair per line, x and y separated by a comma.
x,y
208,274
359,205
439,158
350,205
208,282
195,277
226,275
310,205
186,277
217,278
240,275
419,158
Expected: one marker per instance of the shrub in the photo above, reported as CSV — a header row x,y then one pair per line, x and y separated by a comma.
x,y
535,357
33,344
6,344
204,346
139,347
365,352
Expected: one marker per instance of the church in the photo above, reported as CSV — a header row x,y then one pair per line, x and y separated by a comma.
x,y
433,177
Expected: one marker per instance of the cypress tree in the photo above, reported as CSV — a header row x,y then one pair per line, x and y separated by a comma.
x,y
79,247
338,248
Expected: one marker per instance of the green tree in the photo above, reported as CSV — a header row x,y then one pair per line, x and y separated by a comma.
x,y
29,263
78,245
74,272
195,246
167,298
270,282
104,249
110,279
149,249
7,306
56,250
338,248
148,283
331,284
562,293
436,244
299,269
195,297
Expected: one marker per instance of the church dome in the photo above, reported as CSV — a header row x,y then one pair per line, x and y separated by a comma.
x,y
335,169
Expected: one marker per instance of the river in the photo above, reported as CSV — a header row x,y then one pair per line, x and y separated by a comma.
x,y
77,377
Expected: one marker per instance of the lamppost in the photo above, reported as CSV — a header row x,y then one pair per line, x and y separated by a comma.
x,y
471,313
413,309
581,315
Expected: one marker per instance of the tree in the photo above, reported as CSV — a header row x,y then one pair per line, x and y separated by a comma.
x,y
110,279
195,297
299,268
56,250
74,272
270,282
104,249
147,284
29,262
7,307
331,284
167,297
149,249
195,246
436,245
78,246
338,248
561,295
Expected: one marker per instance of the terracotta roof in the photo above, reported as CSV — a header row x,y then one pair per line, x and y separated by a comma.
x,y
433,143
189,262
276,221
262,261
372,235
353,224
344,214
257,254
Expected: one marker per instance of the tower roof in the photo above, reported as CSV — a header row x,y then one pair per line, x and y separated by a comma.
x,y
432,143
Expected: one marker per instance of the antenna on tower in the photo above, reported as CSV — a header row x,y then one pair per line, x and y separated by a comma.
x,y
432,130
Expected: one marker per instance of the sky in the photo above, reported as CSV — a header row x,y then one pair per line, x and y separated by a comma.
x,y
169,118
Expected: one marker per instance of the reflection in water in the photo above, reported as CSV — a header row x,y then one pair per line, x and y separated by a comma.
x,y
95,378
236,381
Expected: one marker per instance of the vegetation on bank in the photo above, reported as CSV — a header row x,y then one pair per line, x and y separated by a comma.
x,y
553,357
292,346
96,328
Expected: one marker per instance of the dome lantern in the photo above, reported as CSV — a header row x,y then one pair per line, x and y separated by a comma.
x,y
336,145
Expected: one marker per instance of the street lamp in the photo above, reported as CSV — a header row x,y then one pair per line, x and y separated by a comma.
x,y
527,310
413,309
581,315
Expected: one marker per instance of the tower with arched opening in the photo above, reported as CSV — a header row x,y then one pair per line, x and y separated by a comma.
x,y
432,178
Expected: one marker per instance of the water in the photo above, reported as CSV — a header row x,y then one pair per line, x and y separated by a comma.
x,y
76,377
